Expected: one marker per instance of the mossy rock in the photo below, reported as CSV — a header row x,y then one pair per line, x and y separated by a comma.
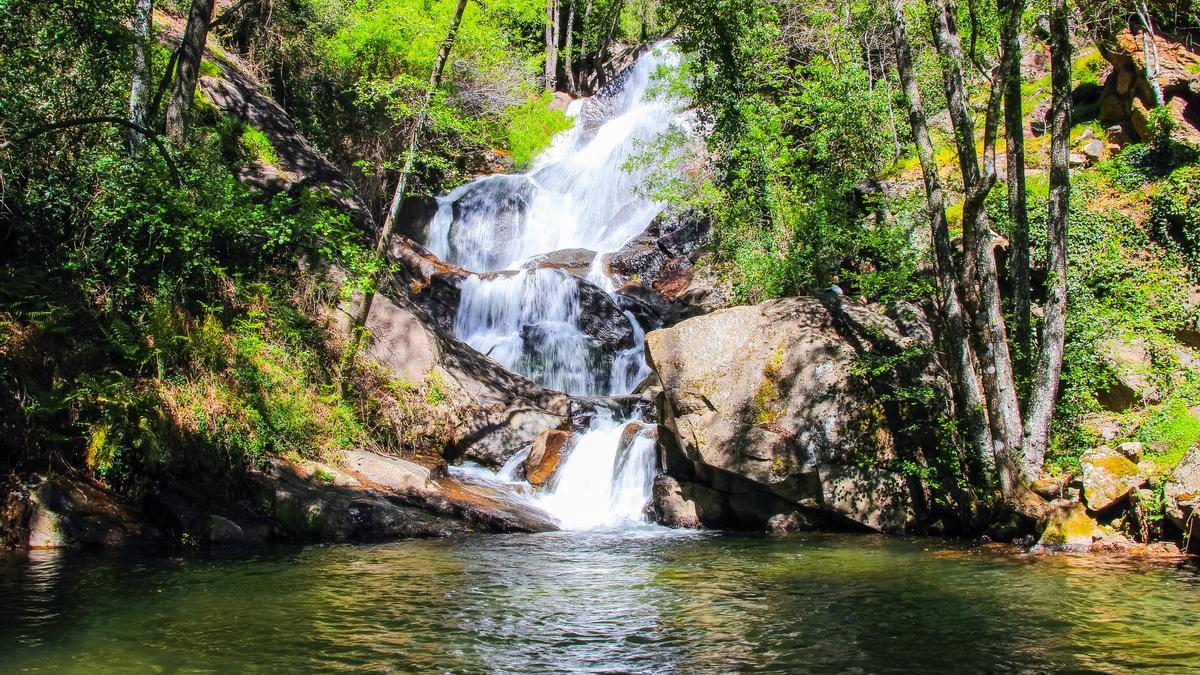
x,y
1108,478
1069,528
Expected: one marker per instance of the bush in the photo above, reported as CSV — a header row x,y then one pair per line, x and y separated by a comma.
x,y
531,126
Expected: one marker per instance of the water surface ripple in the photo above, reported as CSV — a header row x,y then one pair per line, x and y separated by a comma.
x,y
607,602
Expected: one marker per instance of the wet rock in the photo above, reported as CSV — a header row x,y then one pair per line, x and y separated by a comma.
x,y
1069,528
416,214
59,511
1182,495
662,257
601,318
760,404
433,285
502,202
548,450
576,261
1108,478
669,505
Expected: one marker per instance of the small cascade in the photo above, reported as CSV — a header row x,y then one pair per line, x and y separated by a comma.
x,y
607,478
578,195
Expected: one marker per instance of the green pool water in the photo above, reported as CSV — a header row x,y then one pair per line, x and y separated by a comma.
x,y
618,602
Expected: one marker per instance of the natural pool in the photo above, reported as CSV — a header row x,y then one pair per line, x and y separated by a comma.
x,y
643,601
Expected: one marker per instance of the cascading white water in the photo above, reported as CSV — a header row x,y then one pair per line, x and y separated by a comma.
x,y
578,195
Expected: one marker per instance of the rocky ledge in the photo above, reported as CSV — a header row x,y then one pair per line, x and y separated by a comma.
x,y
365,496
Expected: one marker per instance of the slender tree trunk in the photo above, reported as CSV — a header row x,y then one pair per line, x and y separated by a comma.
x,y
583,39
1050,358
1018,210
389,223
954,329
980,276
551,45
139,87
191,51
602,48
1150,53
568,54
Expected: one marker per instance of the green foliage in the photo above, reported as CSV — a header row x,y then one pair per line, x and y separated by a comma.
x,y
1175,214
531,126
795,126
1170,432
1121,282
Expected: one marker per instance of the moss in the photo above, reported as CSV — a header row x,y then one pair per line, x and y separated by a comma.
x,y
1069,526
209,69
257,145
1170,432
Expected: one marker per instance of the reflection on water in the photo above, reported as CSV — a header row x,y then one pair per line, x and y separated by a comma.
x,y
646,602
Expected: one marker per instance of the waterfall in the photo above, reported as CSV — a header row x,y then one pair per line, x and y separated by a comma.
x,y
578,195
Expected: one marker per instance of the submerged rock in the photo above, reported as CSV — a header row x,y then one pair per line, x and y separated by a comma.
x,y
761,410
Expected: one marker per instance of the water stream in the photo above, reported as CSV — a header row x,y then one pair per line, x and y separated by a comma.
x,y
579,195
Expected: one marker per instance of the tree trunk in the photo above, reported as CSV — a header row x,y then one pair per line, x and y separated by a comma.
x,y
1150,53
187,73
954,330
1049,365
980,275
551,45
389,222
583,38
1018,210
568,54
606,42
139,87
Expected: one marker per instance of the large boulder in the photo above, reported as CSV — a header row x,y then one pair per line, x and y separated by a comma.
x,y
762,414
374,497
1182,494
1108,478
548,451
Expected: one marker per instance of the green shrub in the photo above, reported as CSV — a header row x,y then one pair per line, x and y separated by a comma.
x,y
1170,432
1175,214
531,126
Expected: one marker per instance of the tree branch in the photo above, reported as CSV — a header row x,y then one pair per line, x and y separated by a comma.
x,y
153,136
